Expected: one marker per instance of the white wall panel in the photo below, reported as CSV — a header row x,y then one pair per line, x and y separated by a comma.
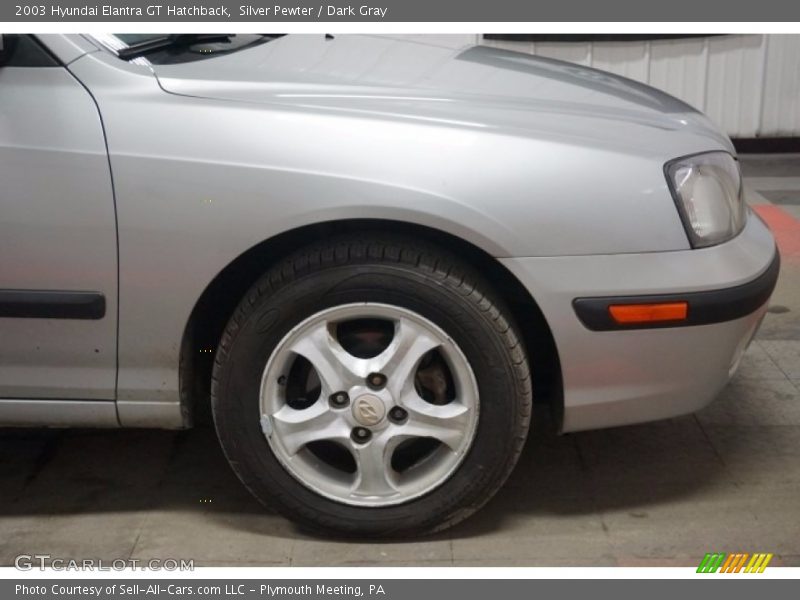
x,y
735,83
780,110
748,84
628,60
679,67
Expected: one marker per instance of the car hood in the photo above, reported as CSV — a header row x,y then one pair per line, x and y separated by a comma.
x,y
474,86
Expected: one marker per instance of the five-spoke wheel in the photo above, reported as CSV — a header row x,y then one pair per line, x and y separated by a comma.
x,y
377,382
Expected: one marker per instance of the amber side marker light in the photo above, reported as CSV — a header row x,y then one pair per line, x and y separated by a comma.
x,y
633,314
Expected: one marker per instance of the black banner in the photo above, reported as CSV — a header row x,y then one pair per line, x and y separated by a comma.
x,y
733,587
299,11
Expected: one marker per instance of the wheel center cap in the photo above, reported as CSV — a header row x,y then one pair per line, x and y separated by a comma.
x,y
369,410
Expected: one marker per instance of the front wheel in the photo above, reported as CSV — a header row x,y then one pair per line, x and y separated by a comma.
x,y
372,387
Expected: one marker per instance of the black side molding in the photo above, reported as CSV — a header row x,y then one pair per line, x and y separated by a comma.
x,y
40,304
705,308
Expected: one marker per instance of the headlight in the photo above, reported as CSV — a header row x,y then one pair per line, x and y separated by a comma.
x,y
708,191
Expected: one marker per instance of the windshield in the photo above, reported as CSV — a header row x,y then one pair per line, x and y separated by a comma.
x,y
180,48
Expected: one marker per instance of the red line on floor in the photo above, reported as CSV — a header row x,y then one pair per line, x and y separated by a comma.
x,y
784,226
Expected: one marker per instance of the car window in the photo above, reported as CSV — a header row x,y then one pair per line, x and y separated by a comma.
x,y
26,51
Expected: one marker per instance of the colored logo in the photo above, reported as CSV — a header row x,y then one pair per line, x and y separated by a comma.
x,y
738,562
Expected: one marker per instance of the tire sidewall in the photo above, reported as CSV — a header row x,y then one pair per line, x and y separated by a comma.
x,y
263,324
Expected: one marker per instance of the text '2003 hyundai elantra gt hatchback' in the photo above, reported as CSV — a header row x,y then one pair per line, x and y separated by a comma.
x,y
370,256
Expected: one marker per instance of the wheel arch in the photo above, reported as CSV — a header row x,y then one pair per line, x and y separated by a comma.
x,y
219,299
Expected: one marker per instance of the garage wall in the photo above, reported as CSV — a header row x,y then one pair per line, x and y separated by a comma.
x,y
748,84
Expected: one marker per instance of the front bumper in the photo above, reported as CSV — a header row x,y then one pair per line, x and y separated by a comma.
x,y
616,376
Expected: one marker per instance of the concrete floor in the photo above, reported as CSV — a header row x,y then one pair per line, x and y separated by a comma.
x,y
726,479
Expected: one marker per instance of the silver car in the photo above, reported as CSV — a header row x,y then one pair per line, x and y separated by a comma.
x,y
369,256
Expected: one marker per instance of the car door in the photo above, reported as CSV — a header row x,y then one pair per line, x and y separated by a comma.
x,y
58,250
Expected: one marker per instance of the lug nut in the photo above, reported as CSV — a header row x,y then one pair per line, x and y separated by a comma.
x,y
339,399
376,380
397,415
360,435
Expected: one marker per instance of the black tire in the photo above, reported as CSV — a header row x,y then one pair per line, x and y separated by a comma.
x,y
391,270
